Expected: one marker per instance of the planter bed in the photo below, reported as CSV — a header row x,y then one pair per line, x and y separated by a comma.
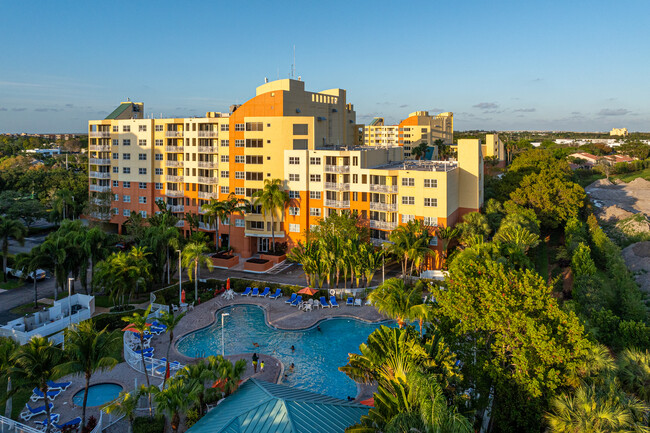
x,y
274,258
224,261
258,265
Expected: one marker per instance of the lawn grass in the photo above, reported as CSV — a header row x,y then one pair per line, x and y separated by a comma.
x,y
628,177
11,284
28,308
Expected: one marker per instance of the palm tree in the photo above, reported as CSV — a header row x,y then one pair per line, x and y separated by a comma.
x,y
474,224
62,200
89,350
198,373
192,220
229,373
372,261
139,325
96,243
520,238
34,364
170,321
14,229
7,348
177,398
446,234
395,300
214,213
192,258
29,263
410,242
125,405
420,150
634,373
232,206
271,198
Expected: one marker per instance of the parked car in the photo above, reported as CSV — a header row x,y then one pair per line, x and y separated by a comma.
x,y
39,274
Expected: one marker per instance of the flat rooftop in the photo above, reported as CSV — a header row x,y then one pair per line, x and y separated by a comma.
x,y
419,165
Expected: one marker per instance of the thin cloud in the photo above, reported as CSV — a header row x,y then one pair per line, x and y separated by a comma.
x,y
486,105
46,109
69,105
19,84
525,110
3,109
613,112
403,106
18,109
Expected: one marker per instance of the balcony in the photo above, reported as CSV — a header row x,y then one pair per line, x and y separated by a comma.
x,y
383,188
337,204
208,180
172,149
386,207
207,164
176,208
333,186
337,168
171,163
174,193
207,149
180,223
100,147
99,161
171,178
99,175
172,134
207,195
205,226
100,188
99,134
382,225
207,134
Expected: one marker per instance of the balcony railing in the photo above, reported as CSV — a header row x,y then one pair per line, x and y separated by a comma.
x,y
100,188
172,134
100,147
378,242
100,161
176,208
207,164
205,226
382,225
386,207
337,168
337,204
337,186
207,134
383,188
180,223
174,193
207,195
208,180
171,163
99,134
207,149
171,178
173,148
99,175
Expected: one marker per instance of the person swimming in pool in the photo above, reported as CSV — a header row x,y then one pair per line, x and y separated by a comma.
x,y
292,366
256,345
293,348
318,327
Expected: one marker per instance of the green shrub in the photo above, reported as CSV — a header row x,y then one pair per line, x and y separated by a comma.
x,y
191,417
144,424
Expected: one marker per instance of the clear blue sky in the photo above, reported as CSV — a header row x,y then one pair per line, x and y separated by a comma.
x,y
546,65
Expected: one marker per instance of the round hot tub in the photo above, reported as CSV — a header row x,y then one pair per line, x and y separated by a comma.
x,y
98,394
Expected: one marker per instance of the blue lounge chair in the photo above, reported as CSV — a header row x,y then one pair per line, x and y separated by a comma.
x,y
246,292
350,301
266,292
296,301
291,299
147,350
72,424
156,330
29,412
333,302
276,295
38,395
58,385
256,292
323,302
173,365
54,417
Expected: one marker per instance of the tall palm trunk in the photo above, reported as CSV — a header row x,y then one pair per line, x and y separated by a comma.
x,y
5,251
146,375
171,338
196,280
83,410
272,231
216,234
8,405
47,408
35,291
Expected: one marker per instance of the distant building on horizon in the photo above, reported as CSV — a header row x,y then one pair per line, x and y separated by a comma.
x,y
619,132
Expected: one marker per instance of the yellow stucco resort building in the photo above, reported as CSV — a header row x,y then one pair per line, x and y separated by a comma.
x,y
310,140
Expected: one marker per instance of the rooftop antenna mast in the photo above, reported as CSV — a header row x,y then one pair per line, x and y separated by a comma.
x,y
293,65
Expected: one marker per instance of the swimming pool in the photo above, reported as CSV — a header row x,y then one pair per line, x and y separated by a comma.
x,y
98,394
317,355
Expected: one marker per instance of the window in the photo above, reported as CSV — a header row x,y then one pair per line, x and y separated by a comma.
x,y
126,170
251,191
142,200
294,194
256,225
159,142
240,143
116,197
126,184
314,177
126,212
431,183
240,223
294,228
159,186
240,175
295,211
431,221
142,156
159,128
142,170
254,175
239,126
142,185
142,128
116,156
126,142
355,178
408,200
225,158
355,196
254,159
225,127
300,129
126,128
314,211
116,211
158,157
408,181
115,128
407,218
240,159
126,156
126,199
254,142
434,241
225,174
158,171
143,213
430,202
116,142
142,142
314,160
294,177
355,160
254,126
115,182
294,160
315,195
225,190
240,191
364,179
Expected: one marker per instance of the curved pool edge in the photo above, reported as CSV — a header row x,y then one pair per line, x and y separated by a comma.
x,y
103,382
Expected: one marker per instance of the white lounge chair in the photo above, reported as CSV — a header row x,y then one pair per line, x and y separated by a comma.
x,y
357,302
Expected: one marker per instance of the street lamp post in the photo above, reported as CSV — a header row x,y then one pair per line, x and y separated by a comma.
x,y
70,282
180,277
223,340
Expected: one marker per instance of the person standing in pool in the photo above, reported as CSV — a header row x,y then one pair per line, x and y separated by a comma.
x,y
255,359
262,366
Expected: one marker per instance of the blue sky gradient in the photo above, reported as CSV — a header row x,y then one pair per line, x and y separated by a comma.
x,y
498,65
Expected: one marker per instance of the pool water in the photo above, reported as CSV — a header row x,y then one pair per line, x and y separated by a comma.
x,y
98,394
317,355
